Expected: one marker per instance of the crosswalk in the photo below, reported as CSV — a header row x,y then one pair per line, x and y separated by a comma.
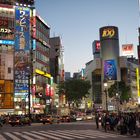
x,y
57,135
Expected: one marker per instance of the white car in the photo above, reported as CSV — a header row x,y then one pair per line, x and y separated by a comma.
x,y
89,117
79,118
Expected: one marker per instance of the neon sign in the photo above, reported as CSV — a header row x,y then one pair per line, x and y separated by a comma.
x,y
109,32
4,30
7,42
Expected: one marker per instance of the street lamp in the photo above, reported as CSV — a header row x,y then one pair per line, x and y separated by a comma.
x,y
105,86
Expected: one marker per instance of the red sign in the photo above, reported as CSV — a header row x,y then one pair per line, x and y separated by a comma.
x,y
98,46
47,90
127,49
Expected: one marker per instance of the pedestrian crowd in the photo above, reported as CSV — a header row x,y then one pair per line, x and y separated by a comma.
x,y
124,123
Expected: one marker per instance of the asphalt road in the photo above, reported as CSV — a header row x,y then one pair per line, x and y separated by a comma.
x,y
63,131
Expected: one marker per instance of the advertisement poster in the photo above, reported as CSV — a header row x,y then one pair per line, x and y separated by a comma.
x,y
22,72
127,50
110,70
22,25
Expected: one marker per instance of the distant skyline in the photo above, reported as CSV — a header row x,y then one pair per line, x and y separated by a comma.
x,y
77,22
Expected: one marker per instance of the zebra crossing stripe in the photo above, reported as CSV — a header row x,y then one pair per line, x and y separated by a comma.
x,y
68,134
13,137
61,136
23,136
97,133
2,138
81,136
34,135
102,133
48,136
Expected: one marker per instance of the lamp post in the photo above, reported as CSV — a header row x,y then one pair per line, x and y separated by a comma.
x,y
29,99
105,86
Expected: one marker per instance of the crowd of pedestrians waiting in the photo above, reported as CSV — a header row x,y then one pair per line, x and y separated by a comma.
x,y
124,123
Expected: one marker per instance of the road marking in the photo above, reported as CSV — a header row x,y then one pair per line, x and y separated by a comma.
x,y
48,136
61,136
95,133
34,135
23,136
82,136
68,134
13,137
2,138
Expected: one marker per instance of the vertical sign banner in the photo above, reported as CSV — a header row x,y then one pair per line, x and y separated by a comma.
x,y
137,76
22,38
22,49
110,70
21,72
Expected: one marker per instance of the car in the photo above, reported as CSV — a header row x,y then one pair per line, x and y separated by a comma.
x,y
25,120
46,119
89,117
14,120
19,120
65,118
56,119
80,118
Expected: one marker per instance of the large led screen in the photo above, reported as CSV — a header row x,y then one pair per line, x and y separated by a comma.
x,y
110,70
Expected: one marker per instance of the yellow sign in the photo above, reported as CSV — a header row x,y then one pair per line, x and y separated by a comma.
x,y
109,32
43,73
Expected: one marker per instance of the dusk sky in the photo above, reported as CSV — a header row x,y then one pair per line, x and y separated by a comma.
x,y
77,22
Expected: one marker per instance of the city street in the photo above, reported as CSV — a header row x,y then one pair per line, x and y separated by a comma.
x,y
63,131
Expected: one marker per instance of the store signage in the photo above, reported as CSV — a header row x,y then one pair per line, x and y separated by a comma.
x,y
127,49
109,32
7,42
22,38
4,30
3,22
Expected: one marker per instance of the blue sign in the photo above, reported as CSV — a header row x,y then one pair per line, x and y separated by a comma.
x,y
7,42
110,70
22,26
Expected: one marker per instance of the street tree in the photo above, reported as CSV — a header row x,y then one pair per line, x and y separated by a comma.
x,y
74,89
121,89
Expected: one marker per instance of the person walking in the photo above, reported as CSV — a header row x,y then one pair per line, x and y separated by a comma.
x,y
97,120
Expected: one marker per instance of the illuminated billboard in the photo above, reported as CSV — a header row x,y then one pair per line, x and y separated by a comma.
x,y
127,49
110,70
7,42
22,26
108,32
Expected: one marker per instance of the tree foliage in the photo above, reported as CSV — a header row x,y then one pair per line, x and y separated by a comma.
x,y
121,88
74,89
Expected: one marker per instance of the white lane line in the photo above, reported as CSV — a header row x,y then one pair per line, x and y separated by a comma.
x,y
82,136
23,136
34,135
68,134
2,138
48,136
13,137
57,135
